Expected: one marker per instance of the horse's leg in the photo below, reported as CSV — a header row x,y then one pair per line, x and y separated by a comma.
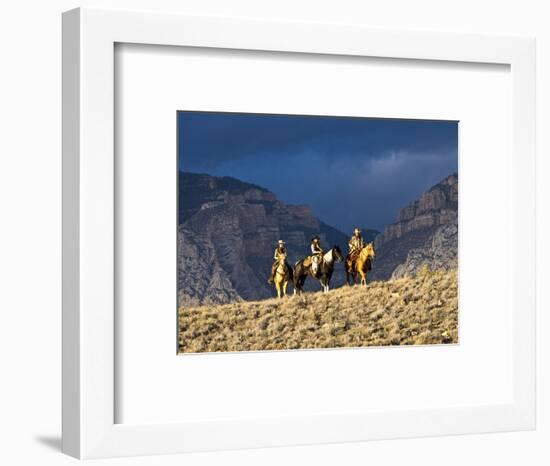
x,y
285,284
297,285
295,278
299,278
278,286
363,278
351,273
301,284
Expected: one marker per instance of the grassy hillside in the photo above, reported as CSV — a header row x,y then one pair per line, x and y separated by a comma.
x,y
406,311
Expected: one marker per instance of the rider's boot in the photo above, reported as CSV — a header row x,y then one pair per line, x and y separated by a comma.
x,y
272,278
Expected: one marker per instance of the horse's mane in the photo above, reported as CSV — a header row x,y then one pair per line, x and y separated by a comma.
x,y
364,251
330,252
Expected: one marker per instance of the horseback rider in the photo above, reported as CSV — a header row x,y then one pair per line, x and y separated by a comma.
x,y
280,252
356,243
316,254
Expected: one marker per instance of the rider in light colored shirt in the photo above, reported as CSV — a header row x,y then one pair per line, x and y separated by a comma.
x,y
356,242
317,254
277,255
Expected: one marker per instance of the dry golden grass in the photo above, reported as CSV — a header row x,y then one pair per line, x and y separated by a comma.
x,y
407,311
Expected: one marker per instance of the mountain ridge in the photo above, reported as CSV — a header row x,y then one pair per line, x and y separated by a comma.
x,y
425,233
228,230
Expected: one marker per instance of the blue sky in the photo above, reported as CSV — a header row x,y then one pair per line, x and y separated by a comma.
x,y
351,171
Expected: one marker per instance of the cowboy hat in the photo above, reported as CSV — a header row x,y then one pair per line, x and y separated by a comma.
x,y
315,238
357,230
281,241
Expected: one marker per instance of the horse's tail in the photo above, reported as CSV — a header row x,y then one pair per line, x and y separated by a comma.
x,y
290,273
298,276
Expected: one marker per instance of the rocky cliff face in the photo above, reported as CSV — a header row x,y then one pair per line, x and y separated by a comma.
x,y
227,232
426,232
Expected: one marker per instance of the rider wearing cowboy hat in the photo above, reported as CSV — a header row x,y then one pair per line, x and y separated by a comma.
x,y
316,249
356,242
280,251
317,254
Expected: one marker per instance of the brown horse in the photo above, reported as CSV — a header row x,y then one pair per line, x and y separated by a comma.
x,y
360,264
283,274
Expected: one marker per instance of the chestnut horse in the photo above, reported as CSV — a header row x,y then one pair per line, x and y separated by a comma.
x,y
362,264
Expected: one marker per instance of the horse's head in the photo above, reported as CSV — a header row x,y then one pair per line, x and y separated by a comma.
x,y
282,258
337,253
369,250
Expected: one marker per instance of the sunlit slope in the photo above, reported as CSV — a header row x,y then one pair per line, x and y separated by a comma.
x,y
405,311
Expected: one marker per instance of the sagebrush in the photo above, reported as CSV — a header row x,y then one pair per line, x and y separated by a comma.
x,y
406,311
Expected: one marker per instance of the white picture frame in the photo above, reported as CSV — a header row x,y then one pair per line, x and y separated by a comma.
x,y
89,38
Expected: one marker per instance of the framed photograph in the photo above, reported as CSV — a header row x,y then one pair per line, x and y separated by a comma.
x,y
293,233
272,206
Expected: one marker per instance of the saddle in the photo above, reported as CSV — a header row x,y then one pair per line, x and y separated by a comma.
x,y
354,255
309,260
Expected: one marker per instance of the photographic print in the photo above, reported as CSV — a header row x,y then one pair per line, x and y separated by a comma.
x,y
310,232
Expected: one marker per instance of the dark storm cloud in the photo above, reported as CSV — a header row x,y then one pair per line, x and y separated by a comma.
x,y
351,171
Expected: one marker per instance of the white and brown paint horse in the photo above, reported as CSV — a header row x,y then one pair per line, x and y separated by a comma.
x,y
324,273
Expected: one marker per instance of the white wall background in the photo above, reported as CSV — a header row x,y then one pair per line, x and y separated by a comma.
x,y
30,225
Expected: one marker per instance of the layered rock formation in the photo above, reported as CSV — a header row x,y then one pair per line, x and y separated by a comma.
x,y
425,233
438,252
228,230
